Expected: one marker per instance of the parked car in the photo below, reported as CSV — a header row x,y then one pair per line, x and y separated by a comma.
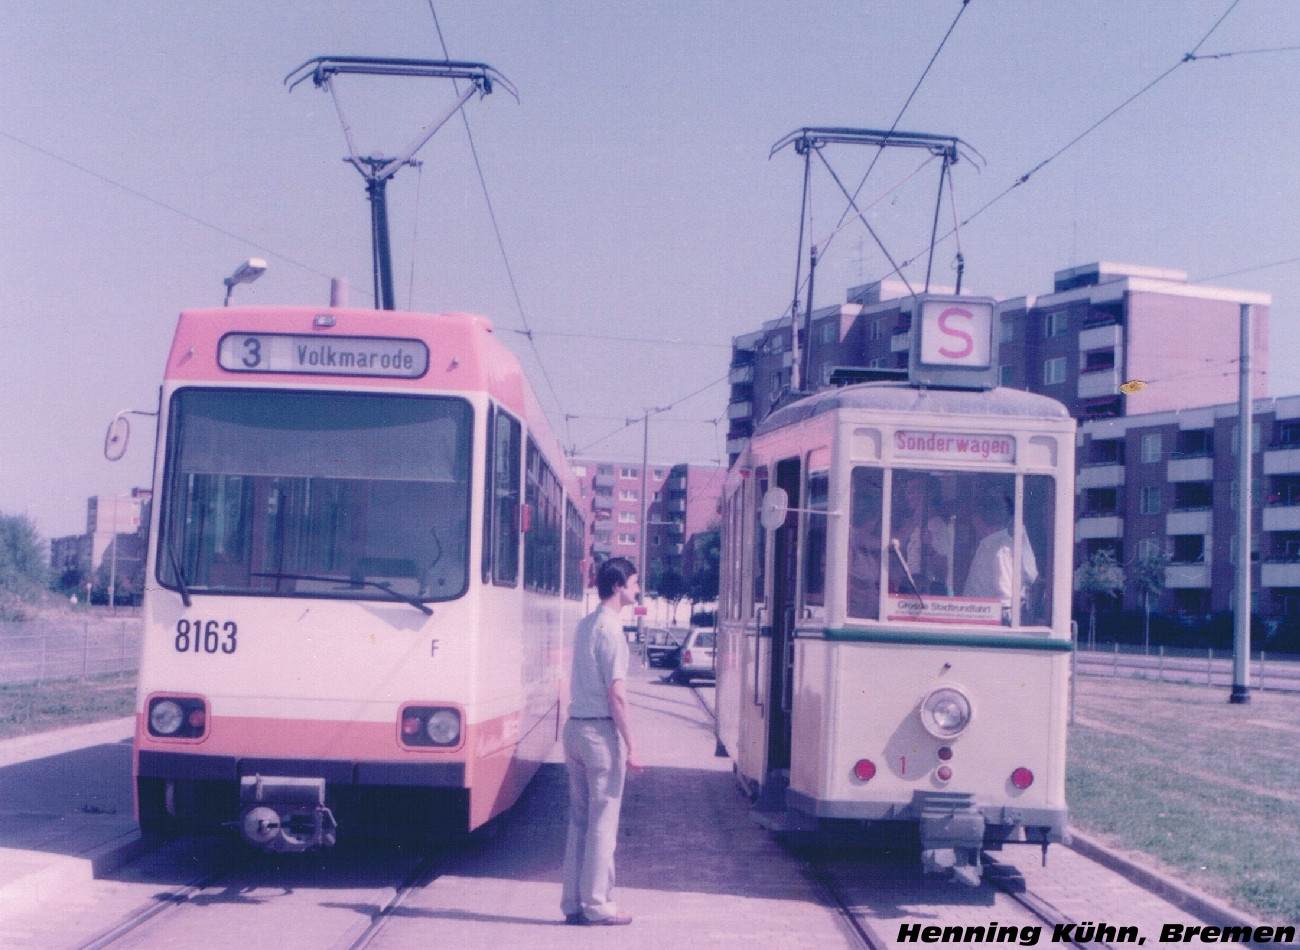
x,y
661,648
695,656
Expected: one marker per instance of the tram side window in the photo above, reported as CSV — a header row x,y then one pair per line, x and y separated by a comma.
x,y
814,559
575,536
865,542
542,542
760,540
503,509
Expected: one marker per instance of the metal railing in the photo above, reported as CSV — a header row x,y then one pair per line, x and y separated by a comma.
x,y
1188,665
40,650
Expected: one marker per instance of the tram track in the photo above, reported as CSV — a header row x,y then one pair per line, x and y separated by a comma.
x,y
149,922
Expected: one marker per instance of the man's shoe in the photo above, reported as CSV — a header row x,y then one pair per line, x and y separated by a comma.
x,y
613,921
576,919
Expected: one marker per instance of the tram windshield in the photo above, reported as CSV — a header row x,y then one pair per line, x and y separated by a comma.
x,y
349,495
950,547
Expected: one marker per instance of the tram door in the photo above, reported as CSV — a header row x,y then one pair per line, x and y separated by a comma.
x,y
785,570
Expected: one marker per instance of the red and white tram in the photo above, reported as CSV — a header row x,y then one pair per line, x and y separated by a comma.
x,y
364,561
894,623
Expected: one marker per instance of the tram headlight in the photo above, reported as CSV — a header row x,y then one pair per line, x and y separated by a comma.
x,y
430,726
945,712
177,717
443,727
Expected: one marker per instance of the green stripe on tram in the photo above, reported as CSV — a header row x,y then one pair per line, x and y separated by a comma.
x,y
927,638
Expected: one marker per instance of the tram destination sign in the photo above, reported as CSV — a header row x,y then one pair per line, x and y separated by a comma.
x,y
323,356
952,342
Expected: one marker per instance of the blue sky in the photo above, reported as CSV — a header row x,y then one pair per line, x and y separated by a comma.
x,y
151,146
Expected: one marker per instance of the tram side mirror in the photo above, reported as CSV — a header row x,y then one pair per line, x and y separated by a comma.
x,y
775,506
115,440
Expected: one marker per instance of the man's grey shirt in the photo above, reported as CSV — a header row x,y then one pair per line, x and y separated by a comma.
x,y
600,656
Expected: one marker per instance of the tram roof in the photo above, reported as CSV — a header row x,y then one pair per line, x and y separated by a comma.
x,y
904,397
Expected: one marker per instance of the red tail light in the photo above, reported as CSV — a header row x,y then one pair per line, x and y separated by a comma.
x,y
1022,778
686,657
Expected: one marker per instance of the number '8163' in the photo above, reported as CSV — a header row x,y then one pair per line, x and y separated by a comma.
x,y
206,636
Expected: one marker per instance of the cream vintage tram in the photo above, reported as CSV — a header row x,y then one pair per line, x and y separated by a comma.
x,y
895,618
364,558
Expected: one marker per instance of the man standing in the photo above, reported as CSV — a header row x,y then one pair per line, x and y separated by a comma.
x,y
596,759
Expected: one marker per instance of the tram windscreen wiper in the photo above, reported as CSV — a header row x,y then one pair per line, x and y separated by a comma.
x,y
386,587
180,575
907,572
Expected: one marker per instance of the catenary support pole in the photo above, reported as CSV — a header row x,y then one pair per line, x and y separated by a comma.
x,y
1245,448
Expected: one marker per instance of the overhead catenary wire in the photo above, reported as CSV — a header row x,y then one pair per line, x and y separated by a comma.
x,y
144,196
501,245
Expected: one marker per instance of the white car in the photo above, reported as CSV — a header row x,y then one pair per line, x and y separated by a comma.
x,y
695,656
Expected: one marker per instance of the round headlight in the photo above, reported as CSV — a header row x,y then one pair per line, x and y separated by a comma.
x,y
166,717
443,727
945,713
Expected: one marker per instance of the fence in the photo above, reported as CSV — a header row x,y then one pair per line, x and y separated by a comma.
x,y
1188,665
40,650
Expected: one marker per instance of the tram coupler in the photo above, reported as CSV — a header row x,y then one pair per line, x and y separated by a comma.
x,y
285,814
952,835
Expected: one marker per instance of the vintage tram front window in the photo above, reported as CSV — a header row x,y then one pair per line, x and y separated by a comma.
x,y
351,495
951,548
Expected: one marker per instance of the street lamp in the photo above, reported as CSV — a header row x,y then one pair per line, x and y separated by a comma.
x,y
245,273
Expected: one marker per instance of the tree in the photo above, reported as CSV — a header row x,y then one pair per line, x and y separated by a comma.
x,y
24,565
1147,575
671,587
702,586
1102,575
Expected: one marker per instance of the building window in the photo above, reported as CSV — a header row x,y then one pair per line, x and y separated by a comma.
x,y
1152,447
1098,360
626,472
1007,332
627,539
627,517
1006,374
627,494
873,330
1149,502
1194,496
1149,548
1056,324
1054,371
1188,549
1287,433
1101,501
830,332
659,473
1254,438
1106,452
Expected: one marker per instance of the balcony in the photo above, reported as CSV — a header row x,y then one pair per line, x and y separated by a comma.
x,y
1189,522
1099,382
1100,476
1282,461
1282,518
603,481
900,342
601,503
1183,576
740,374
1279,574
1108,337
740,410
1191,470
1099,526
736,446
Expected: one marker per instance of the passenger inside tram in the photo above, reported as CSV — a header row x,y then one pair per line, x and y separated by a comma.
x,y
991,571
922,528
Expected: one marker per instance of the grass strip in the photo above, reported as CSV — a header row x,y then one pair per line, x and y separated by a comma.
x,y
1210,790
29,708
